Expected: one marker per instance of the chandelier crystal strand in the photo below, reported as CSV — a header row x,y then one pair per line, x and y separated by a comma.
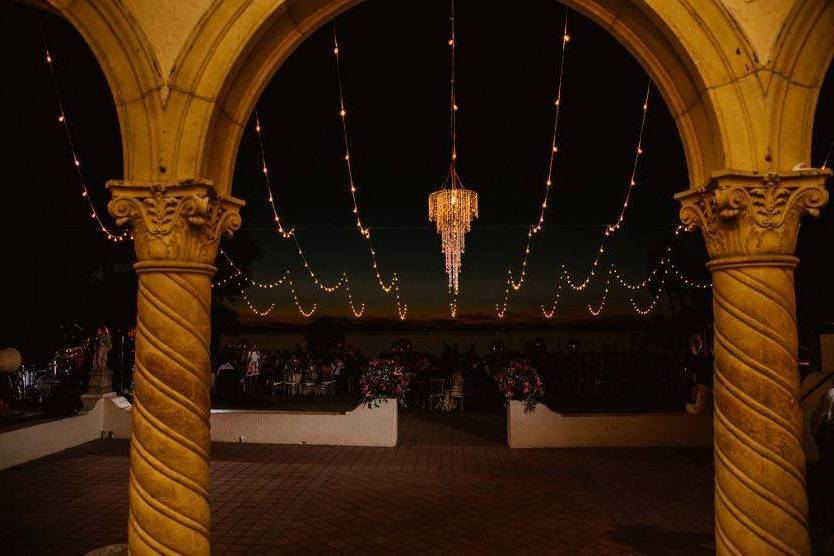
x,y
533,230
393,285
453,207
111,235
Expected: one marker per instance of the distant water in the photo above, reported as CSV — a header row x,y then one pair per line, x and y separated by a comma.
x,y
374,342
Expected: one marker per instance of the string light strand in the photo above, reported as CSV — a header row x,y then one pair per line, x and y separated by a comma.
x,y
112,235
511,284
392,286
612,229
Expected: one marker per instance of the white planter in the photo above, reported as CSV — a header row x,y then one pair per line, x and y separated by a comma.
x,y
545,428
110,416
362,426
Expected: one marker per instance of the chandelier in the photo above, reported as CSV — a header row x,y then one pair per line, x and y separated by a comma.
x,y
453,207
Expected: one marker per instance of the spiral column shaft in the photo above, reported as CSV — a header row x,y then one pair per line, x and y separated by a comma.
x,y
176,229
750,223
760,500
169,452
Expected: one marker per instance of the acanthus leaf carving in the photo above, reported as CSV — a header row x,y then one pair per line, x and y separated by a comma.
x,y
174,221
749,214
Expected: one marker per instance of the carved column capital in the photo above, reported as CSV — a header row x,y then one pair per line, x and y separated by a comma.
x,y
175,221
753,215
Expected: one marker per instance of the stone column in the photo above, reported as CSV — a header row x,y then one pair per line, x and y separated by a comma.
x,y
176,227
750,223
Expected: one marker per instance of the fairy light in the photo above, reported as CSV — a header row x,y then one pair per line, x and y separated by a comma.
x,y
238,275
304,313
263,313
111,235
392,286
644,311
665,268
613,228
511,284
596,312
550,313
554,149
289,233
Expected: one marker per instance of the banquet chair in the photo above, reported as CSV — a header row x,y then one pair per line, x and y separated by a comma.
x,y
292,383
437,393
308,382
456,390
326,384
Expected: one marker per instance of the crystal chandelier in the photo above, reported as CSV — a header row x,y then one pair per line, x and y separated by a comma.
x,y
453,207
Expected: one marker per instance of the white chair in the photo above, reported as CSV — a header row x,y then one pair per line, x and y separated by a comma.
x,y
456,391
437,393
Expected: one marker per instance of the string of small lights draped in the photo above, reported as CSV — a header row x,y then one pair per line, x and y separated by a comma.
x,y
290,233
610,229
393,285
243,282
113,235
119,236
665,264
511,284
453,206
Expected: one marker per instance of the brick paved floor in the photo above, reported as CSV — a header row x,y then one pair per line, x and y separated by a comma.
x,y
451,486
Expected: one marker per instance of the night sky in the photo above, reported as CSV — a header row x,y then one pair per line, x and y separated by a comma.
x,y
395,68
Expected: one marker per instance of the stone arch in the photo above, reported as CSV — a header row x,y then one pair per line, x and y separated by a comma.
x,y
804,53
741,100
663,38
129,64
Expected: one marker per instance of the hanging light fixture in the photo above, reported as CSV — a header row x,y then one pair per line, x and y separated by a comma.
x,y
453,207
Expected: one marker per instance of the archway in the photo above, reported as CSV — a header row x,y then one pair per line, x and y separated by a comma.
x,y
734,79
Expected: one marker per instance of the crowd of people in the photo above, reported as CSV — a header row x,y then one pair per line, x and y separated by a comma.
x,y
575,379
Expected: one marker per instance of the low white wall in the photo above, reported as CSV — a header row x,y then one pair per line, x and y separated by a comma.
x,y
545,428
116,417
36,441
111,416
362,426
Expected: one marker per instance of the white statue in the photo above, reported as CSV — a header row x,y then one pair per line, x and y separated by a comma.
x,y
100,381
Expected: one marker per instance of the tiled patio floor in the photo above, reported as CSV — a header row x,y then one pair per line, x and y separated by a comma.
x,y
451,486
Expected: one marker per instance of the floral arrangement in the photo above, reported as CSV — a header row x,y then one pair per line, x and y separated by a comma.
x,y
520,381
382,378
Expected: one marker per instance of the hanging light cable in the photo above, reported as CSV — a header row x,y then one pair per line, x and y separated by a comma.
x,y
115,236
344,278
533,230
247,282
665,264
610,229
393,284
453,207
613,228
